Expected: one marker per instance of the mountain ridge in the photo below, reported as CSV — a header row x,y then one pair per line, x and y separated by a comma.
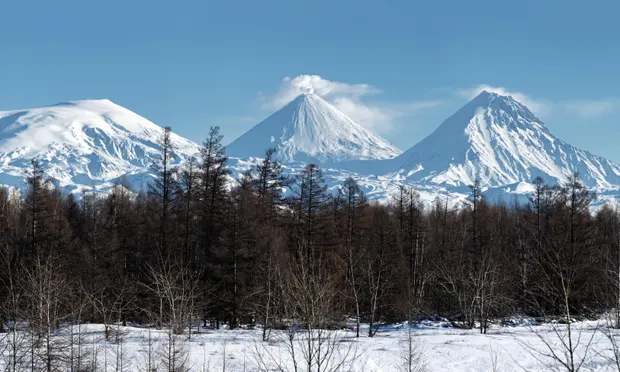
x,y
96,143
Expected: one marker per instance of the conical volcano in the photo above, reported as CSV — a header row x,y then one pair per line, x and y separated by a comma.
x,y
500,141
309,129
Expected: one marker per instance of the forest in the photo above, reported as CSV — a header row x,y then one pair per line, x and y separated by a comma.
x,y
279,250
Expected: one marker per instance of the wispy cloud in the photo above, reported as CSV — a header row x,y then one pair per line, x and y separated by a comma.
x,y
593,108
352,99
292,87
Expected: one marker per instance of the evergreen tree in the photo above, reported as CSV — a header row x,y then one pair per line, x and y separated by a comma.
x,y
162,189
310,218
214,198
352,204
187,193
37,212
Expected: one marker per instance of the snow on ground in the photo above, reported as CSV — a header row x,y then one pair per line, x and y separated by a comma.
x,y
517,348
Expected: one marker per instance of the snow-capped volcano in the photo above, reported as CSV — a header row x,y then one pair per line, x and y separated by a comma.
x,y
309,129
499,140
82,144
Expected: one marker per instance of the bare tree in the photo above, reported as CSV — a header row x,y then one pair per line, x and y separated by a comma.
x,y
109,303
411,355
566,347
174,286
47,294
378,266
122,359
353,202
310,341
269,294
15,343
149,361
77,354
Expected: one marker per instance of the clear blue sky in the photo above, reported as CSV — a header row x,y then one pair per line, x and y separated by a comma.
x,y
193,64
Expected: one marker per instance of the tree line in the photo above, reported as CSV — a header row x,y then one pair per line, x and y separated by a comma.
x,y
281,250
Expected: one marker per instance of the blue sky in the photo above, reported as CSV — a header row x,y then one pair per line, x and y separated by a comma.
x,y
398,67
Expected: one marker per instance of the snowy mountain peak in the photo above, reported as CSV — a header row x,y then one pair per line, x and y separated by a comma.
x,y
504,103
502,142
82,144
307,95
308,101
100,101
309,129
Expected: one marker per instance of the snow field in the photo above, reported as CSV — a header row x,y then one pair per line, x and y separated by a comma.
x,y
443,348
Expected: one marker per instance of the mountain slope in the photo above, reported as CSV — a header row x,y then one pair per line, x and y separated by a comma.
x,y
82,144
499,140
309,129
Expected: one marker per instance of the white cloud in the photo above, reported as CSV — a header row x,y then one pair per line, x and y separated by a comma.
x,y
292,87
539,107
593,108
372,117
348,98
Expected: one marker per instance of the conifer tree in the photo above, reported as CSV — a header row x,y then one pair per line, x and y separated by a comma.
x,y
162,188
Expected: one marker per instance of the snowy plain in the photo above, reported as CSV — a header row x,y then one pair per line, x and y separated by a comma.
x,y
442,347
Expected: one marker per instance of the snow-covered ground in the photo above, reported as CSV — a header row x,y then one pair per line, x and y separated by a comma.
x,y
444,348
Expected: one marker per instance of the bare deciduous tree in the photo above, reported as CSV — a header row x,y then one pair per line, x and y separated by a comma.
x,y
47,293
174,286
310,340
411,354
